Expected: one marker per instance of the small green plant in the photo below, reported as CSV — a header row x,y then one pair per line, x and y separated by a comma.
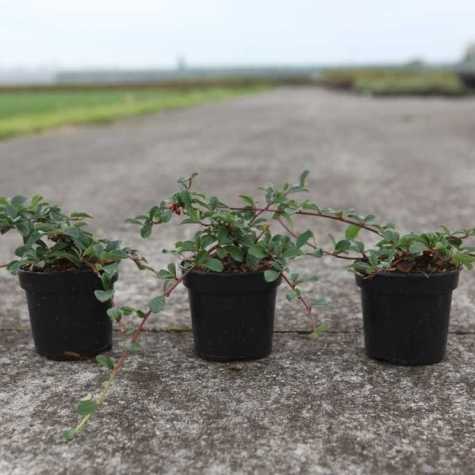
x,y
439,251
232,239
55,241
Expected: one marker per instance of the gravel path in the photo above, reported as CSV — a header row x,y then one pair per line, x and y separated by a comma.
x,y
411,161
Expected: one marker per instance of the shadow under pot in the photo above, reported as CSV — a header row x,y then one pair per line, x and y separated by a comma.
x,y
67,320
232,314
406,316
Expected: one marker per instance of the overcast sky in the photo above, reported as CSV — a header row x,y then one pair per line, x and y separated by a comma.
x,y
144,33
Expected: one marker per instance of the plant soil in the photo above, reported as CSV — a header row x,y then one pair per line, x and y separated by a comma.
x,y
60,266
431,261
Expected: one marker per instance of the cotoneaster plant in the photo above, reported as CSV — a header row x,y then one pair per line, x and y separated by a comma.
x,y
433,252
55,241
233,239
406,283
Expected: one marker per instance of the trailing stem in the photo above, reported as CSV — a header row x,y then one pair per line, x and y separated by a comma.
x,y
313,246
341,219
308,307
69,434
109,382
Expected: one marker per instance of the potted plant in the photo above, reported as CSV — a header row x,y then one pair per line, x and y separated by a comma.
x,y
406,283
68,275
232,267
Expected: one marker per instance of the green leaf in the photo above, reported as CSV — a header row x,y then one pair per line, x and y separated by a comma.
x,y
77,215
69,434
358,246
185,246
390,235
14,266
363,267
221,253
257,251
146,230
318,253
417,248
320,302
86,407
18,201
114,313
36,200
165,274
235,253
111,269
104,295
172,269
248,200
342,246
303,178
271,275
214,265
207,240
134,347
292,295
105,361
464,260
352,231
224,237
319,329
303,238
157,304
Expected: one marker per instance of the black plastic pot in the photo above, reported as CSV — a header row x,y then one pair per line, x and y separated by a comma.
x,y
406,316
67,320
232,314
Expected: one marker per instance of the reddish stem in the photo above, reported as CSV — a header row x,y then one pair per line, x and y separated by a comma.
x,y
134,338
176,284
313,246
259,212
308,307
315,214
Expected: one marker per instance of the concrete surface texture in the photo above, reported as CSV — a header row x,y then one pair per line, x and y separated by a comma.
x,y
315,405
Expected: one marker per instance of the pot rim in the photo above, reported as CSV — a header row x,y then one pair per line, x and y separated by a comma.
x,y
56,272
409,275
226,274
222,274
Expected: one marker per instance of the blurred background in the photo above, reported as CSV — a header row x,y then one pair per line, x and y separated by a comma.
x,y
76,62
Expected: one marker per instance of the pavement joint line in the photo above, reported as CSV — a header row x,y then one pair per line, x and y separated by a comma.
x,y
282,332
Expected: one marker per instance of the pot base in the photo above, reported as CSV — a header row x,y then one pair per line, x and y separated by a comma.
x,y
230,359
403,362
72,356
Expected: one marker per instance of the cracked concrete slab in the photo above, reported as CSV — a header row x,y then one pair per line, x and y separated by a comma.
x,y
313,406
